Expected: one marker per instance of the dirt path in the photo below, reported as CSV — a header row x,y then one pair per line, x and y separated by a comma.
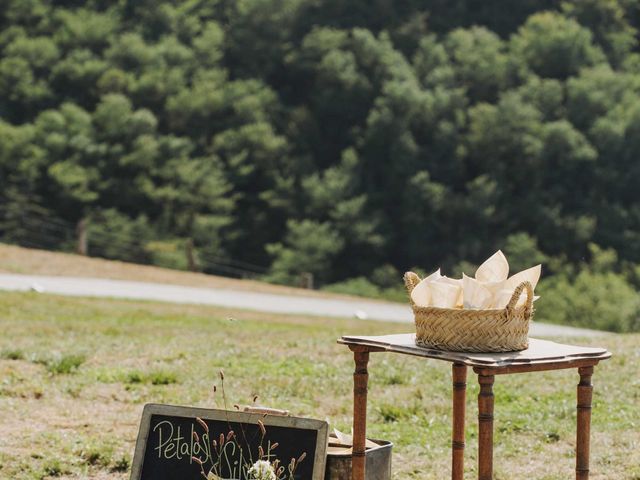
x,y
243,299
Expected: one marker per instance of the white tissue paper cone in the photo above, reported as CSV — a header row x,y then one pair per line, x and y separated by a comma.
x,y
475,295
456,282
494,269
494,287
502,298
443,294
531,275
421,293
503,291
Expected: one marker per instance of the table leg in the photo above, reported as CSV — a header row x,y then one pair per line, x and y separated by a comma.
x,y
457,441
360,380
585,390
485,427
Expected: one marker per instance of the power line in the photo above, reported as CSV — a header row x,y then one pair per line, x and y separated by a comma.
x,y
44,231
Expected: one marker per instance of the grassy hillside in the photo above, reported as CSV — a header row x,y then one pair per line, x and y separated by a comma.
x,y
75,374
14,259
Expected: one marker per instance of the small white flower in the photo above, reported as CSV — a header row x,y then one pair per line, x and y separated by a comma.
x,y
262,470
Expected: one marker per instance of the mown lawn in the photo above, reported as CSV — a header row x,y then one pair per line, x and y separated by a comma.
x,y
75,374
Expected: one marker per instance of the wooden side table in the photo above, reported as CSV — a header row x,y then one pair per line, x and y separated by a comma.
x,y
540,356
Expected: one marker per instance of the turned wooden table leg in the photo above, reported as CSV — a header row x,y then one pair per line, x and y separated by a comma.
x,y
485,427
585,390
360,380
457,438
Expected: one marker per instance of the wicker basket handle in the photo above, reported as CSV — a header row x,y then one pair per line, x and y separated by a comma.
x,y
410,281
516,296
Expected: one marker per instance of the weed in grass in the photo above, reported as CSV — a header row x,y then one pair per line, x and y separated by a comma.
x,y
393,413
74,391
122,464
395,378
552,437
112,332
97,455
159,377
54,469
65,364
163,378
134,377
515,425
12,354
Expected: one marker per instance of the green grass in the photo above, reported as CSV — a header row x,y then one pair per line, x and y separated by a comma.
x,y
75,415
63,364
134,377
12,354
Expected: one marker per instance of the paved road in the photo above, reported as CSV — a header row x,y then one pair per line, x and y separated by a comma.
x,y
264,302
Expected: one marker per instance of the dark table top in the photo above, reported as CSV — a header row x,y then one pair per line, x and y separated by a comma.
x,y
539,353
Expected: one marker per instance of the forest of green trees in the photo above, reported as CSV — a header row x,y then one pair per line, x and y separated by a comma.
x,y
347,139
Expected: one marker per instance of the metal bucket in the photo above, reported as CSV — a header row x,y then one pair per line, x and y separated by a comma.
x,y
377,461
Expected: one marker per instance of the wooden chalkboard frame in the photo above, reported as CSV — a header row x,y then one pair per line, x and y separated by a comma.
x,y
150,409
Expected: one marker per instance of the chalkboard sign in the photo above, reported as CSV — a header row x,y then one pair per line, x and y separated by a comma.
x,y
184,443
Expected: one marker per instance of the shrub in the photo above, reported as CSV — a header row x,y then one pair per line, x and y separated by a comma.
x,y
359,286
362,287
604,301
168,253
115,236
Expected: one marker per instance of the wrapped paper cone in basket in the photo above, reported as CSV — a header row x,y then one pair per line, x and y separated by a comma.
x,y
471,330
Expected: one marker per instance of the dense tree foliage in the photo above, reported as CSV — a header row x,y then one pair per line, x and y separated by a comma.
x,y
347,139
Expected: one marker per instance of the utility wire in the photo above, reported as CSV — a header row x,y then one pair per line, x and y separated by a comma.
x,y
48,232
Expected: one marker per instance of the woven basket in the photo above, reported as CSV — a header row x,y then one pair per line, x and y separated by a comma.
x,y
460,330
